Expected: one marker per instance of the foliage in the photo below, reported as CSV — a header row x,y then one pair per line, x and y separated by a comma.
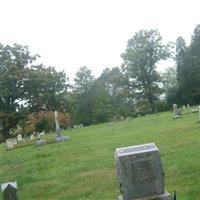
x,y
45,121
45,88
83,83
14,62
188,68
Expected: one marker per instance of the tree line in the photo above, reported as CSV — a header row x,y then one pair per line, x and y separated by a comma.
x,y
29,93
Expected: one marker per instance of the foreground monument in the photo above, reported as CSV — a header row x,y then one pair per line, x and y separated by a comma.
x,y
140,173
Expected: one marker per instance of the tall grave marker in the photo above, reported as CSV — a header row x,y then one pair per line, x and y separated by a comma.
x,y
140,173
176,111
59,136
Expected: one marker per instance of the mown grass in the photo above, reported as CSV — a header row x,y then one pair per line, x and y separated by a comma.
x,y
84,168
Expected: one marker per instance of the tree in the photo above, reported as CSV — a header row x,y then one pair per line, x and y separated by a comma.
x,y
169,78
183,64
14,62
194,71
45,89
83,83
115,85
144,51
188,68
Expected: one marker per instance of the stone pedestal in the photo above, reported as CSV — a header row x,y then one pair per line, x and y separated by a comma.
x,y
165,196
41,142
61,138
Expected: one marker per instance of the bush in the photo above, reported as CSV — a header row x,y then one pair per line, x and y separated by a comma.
x,y
45,121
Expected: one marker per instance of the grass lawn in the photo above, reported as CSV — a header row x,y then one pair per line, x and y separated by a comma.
x,y
84,168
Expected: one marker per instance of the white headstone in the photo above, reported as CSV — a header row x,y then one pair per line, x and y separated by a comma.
x,y
9,144
32,137
19,137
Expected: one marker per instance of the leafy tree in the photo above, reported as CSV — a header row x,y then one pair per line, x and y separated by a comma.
x,y
45,89
169,78
194,71
144,51
188,68
116,86
183,65
14,62
83,82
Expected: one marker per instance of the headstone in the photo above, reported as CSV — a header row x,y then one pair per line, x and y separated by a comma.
x,y
188,105
195,110
9,144
32,137
121,118
19,137
62,138
41,142
176,111
140,173
38,135
42,133
9,191
58,131
59,137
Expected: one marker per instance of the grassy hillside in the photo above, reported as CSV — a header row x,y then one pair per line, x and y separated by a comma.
x,y
84,168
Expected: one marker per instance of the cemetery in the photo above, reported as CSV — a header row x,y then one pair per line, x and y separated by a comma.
x,y
102,162
107,117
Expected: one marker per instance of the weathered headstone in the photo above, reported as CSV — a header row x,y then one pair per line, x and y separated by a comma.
x,y
58,131
176,111
195,110
188,105
9,144
42,133
9,191
59,137
19,137
140,173
32,137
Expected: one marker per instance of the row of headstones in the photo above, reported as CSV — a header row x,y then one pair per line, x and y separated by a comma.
x,y
78,126
11,143
177,111
139,172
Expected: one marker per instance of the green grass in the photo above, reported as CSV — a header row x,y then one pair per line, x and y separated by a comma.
x,y
84,167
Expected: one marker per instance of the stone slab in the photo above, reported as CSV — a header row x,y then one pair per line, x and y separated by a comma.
x,y
61,138
41,142
165,196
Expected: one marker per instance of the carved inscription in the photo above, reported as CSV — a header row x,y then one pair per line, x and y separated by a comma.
x,y
143,172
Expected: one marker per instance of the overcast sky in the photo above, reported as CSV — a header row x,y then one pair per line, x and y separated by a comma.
x,y
68,34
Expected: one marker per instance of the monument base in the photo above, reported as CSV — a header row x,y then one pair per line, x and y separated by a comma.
x,y
41,142
61,138
165,196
